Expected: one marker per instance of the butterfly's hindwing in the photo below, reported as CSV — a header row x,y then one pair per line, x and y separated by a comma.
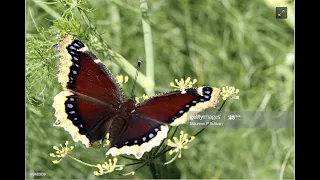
x,y
139,137
172,108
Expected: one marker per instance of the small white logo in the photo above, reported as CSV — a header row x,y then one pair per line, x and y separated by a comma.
x,y
37,174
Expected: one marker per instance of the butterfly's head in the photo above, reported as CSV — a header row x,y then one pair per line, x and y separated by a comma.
x,y
129,106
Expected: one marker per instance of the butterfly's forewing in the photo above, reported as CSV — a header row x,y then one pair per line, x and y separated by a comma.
x,y
81,71
91,92
149,125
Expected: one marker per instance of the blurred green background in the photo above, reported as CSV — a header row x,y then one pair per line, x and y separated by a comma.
x,y
219,42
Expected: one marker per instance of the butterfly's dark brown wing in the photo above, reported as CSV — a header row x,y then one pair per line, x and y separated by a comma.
x,y
139,136
173,107
149,124
91,93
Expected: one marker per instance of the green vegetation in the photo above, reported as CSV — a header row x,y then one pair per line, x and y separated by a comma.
x,y
220,43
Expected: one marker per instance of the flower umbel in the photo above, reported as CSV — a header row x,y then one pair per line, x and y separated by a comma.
x,y
229,91
122,79
183,84
144,96
108,167
102,143
178,145
107,140
61,153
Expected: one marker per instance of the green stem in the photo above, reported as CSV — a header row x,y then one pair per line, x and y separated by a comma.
x,y
134,171
164,170
163,149
140,167
116,21
158,147
147,44
174,132
163,152
86,19
285,162
81,162
133,163
171,160
153,171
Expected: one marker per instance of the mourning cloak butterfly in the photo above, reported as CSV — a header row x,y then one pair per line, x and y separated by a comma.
x,y
92,104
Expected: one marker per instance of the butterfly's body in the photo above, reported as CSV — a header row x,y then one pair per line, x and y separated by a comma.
x,y
121,118
93,104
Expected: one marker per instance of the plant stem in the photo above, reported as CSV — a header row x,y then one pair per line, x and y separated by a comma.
x,y
116,21
158,148
285,162
133,163
81,162
140,167
153,171
164,170
86,19
165,146
163,152
147,44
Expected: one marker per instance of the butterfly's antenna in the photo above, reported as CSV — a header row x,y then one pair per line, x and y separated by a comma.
x,y
135,80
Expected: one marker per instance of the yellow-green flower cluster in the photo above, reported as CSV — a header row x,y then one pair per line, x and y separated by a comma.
x,y
61,153
122,79
107,141
180,143
183,84
229,91
108,167
144,96
102,143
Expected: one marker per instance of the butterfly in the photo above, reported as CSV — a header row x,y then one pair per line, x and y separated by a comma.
x,y
92,104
